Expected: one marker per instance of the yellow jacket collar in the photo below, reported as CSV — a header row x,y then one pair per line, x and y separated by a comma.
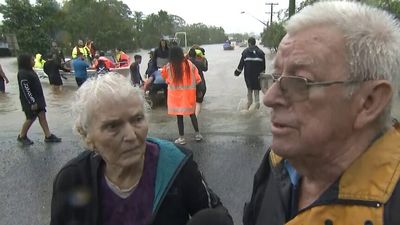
x,y
374,175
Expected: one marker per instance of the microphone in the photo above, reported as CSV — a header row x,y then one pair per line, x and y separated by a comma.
x,y
211,217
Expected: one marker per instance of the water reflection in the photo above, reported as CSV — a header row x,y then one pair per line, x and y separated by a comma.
x,y
7,103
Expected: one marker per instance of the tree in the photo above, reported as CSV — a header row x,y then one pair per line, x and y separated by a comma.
x,y
22,19
156,26
111,28
109,23
273,35
137,29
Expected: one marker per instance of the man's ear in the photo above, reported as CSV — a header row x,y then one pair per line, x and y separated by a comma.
x,y
372,99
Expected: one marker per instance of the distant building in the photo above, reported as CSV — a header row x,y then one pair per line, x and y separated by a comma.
x,y
8,45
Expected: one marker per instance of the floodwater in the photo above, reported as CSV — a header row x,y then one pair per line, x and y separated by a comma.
x,y
224,92
234,143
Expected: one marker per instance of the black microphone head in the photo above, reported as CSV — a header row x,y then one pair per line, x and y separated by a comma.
x,y
211,217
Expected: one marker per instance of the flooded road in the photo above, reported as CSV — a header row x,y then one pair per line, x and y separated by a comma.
x,y
234,142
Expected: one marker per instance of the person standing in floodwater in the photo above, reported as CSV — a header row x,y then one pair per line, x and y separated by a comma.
x,y
80,69
134,69
3,81
32,100
182,76
52,68
253,63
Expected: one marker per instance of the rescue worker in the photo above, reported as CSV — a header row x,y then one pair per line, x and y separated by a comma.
x,y
253,62
39,61
91,49
108,63
121,58
80,48
182,77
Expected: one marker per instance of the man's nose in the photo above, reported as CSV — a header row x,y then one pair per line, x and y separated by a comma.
x,y
274,96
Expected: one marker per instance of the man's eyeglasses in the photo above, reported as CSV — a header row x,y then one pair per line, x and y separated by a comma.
x,y
294,87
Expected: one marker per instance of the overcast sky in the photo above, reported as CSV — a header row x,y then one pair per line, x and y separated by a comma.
x,y
224,13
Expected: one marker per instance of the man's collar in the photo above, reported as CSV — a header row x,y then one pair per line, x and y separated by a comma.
x,y
374,175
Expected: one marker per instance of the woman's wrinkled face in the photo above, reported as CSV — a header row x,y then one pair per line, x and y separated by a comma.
x,y
118,130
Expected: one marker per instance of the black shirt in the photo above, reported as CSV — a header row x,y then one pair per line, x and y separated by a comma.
x,y
30,90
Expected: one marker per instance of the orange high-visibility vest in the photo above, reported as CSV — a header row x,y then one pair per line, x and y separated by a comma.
x,y
123,59
181,99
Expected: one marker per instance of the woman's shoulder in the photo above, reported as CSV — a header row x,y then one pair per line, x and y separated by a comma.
x,y
169,148
83,160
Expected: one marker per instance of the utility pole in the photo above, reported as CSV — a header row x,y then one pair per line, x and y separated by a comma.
x,y
292,7
272,10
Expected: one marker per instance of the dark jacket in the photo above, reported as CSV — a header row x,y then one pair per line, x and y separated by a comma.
x,y
135,73
52,69
253,62
180,190
202,66
368,192
30,90
160,53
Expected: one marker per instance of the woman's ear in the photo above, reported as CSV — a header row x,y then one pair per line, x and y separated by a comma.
x,y
89,143
81,131
374,97
86,138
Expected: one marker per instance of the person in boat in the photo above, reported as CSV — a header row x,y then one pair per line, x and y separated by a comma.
x,y
90,47
108,62
124,176
121,58
82,49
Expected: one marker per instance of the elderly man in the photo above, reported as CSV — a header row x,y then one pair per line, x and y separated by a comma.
x,y
335,155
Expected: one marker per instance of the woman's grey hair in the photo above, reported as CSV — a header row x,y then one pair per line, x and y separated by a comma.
x,y
111,86
372,38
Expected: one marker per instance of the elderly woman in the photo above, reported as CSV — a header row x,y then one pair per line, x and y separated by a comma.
x,y
125,177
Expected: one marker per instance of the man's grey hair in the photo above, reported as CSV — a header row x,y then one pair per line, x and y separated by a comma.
x,y
94,91
372,37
